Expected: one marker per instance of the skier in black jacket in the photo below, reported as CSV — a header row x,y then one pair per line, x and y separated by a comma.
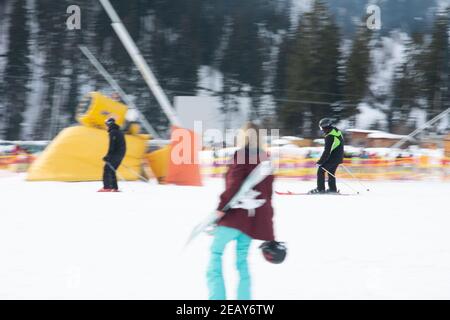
x,y
116,152
332,156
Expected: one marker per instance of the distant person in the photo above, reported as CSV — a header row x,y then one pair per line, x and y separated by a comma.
x,y
17,150
332,156
116,152
364,155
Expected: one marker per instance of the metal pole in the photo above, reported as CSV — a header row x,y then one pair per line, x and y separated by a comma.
x,y
140,63
421,128
117,173
354,177
136,173
93,60
357,192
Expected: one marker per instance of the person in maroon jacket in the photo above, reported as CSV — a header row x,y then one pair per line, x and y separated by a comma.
x,y
240,224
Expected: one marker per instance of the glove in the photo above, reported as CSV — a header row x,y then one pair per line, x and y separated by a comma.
x,y
210,230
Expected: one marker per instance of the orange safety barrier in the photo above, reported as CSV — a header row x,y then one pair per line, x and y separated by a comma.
x,y
184,167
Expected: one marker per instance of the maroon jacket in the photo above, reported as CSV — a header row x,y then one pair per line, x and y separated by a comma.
x,y
259,226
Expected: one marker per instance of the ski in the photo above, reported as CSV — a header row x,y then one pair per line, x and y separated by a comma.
x,y
246,191
289,193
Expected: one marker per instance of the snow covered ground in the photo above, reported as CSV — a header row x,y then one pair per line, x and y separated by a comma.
x,y
65,241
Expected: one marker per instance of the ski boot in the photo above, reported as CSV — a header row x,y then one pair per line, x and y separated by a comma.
x,y
316,191
329,191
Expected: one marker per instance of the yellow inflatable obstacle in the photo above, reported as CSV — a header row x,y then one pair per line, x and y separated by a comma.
x,y
76,153
158,161
95,108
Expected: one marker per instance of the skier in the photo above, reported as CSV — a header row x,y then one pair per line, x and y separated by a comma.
x,y
116,152
241,224
332,156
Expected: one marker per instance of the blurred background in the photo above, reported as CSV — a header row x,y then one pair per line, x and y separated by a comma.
x,y
284,63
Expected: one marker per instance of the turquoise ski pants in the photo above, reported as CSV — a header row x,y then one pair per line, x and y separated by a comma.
x,y
216,286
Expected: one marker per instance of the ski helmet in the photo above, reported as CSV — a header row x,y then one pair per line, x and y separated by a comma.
x,y
325,123
273,251
110,121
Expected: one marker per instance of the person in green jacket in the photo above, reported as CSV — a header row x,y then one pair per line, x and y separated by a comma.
x,y
332,157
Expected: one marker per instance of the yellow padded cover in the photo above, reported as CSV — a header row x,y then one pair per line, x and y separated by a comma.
x,y
76,155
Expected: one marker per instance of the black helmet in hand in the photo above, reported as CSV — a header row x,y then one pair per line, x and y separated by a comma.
x,y
273,251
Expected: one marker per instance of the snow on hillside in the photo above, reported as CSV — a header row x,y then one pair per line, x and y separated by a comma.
x,y
369,116
386,56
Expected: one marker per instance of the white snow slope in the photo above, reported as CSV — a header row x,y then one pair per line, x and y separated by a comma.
x,y
65,241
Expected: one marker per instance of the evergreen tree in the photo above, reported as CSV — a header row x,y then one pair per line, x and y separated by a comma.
x,y
312,74
357,70
247,42
436,60
52,42
243,40
17,71
3,30
403,101
406,88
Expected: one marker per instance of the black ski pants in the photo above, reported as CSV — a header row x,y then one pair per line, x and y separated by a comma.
x,y
109,175
331,180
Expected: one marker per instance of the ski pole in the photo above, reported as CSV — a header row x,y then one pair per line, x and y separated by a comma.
x,y
116,172
136,174
357,192
354,177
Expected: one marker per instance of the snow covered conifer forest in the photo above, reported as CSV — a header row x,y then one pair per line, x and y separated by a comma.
x,y
296,61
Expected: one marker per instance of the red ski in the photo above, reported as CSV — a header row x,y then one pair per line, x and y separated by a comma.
x,y
289,193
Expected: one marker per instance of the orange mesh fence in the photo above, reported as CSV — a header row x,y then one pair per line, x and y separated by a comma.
x,y
12,161
411,168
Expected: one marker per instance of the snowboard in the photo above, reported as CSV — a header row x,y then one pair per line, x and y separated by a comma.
x,y
240,199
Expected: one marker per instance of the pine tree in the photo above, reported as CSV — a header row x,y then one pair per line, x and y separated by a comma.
x,y
244,67
3,30
436,66
17,71
403,100
357,70
406,89
312,72
52,35
247,41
